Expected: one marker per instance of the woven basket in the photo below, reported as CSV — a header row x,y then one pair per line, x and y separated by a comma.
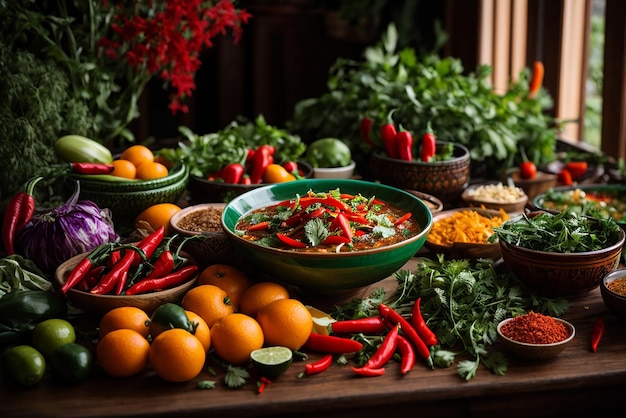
x,y
445,180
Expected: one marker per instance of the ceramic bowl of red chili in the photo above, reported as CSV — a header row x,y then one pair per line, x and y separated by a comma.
x,y
535,336
327,236
613,291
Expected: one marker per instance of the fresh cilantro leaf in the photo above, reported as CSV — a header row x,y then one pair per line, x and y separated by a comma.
x,y
206,384
235,377
315,231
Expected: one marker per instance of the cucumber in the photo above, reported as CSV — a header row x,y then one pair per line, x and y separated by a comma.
x,y
79,149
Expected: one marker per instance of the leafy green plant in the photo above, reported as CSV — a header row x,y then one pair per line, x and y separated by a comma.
x,y
461,107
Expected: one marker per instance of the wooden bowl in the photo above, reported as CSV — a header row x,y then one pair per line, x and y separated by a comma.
x,y
465,250
445,180
536,351
435,205
511,199
100,304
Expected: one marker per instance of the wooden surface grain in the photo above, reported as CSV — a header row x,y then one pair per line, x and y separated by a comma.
x,y
578,382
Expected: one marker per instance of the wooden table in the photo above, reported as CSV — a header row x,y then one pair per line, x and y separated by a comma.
x,y
578,383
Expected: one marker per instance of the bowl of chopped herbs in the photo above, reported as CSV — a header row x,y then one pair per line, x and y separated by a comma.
x,y
562,253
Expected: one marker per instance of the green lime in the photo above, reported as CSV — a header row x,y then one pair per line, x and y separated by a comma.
x,y
25,364
52,333
271,362
72,362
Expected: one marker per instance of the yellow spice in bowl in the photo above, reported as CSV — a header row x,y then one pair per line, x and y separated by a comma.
x,y
466,226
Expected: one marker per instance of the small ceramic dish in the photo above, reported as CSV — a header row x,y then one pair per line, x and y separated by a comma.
x,y
511,199
345,172
465,250
203,218
536,351
614,299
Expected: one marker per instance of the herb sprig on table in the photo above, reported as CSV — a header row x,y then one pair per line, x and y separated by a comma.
x,y
462,302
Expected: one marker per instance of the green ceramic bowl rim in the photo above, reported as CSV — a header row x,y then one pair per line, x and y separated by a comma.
x,y
248,201
179,171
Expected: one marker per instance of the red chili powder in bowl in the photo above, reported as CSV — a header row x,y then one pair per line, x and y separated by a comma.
x,y
535,328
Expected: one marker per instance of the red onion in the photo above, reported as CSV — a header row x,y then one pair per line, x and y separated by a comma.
x,y
54,236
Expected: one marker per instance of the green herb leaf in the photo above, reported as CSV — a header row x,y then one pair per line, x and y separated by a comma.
x,y
235,377
206,384
316,231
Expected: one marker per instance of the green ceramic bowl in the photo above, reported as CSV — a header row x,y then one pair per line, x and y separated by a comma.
x,y
327,273
112,184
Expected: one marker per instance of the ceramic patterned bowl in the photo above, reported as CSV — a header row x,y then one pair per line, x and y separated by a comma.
x,y
207,191
127,199
445,180
558,273
536,351
330,272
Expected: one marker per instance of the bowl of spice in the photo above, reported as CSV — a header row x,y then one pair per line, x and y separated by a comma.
x,y
511,199
204,219
463,233
613,291
535,336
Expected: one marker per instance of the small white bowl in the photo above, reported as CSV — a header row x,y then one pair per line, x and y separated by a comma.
x,y
345,172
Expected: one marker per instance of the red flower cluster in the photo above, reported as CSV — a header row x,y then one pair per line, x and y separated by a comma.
x,y
165,38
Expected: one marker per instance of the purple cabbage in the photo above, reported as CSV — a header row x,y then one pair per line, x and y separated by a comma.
x,y
54,236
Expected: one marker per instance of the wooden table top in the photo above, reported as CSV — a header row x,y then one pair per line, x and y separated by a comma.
x,y
577,382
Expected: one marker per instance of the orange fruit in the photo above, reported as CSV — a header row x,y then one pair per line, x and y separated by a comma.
x,y
151,170
177,355
124,168
202,330
259,295
208,301
285,322
123,353
235,336
226,277
163,160
137,154
158,215
129,317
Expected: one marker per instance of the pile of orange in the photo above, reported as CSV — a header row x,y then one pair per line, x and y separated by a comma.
x,y
231,315
138,162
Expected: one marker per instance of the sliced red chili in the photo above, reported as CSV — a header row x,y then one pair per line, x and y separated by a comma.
x,y
328,201
336,240
285,239
260,226
343,224
403,218
332,344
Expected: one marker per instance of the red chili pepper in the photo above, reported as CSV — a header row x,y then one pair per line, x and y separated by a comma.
x,y
537,79
327,201
407,355
336,240
18,213
565,177
356,217
403,218
429,144
292,167
386,349
148,245
597,332
90,279
319,366
290,241
261,226
371,325
164,264
577,169
245,179
343,224
404,142
118,273
388,134
95,257
261,159
405,327
420,325
262,384
368,372
365,131
91,168
232,173
332,344
527,170
164,282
